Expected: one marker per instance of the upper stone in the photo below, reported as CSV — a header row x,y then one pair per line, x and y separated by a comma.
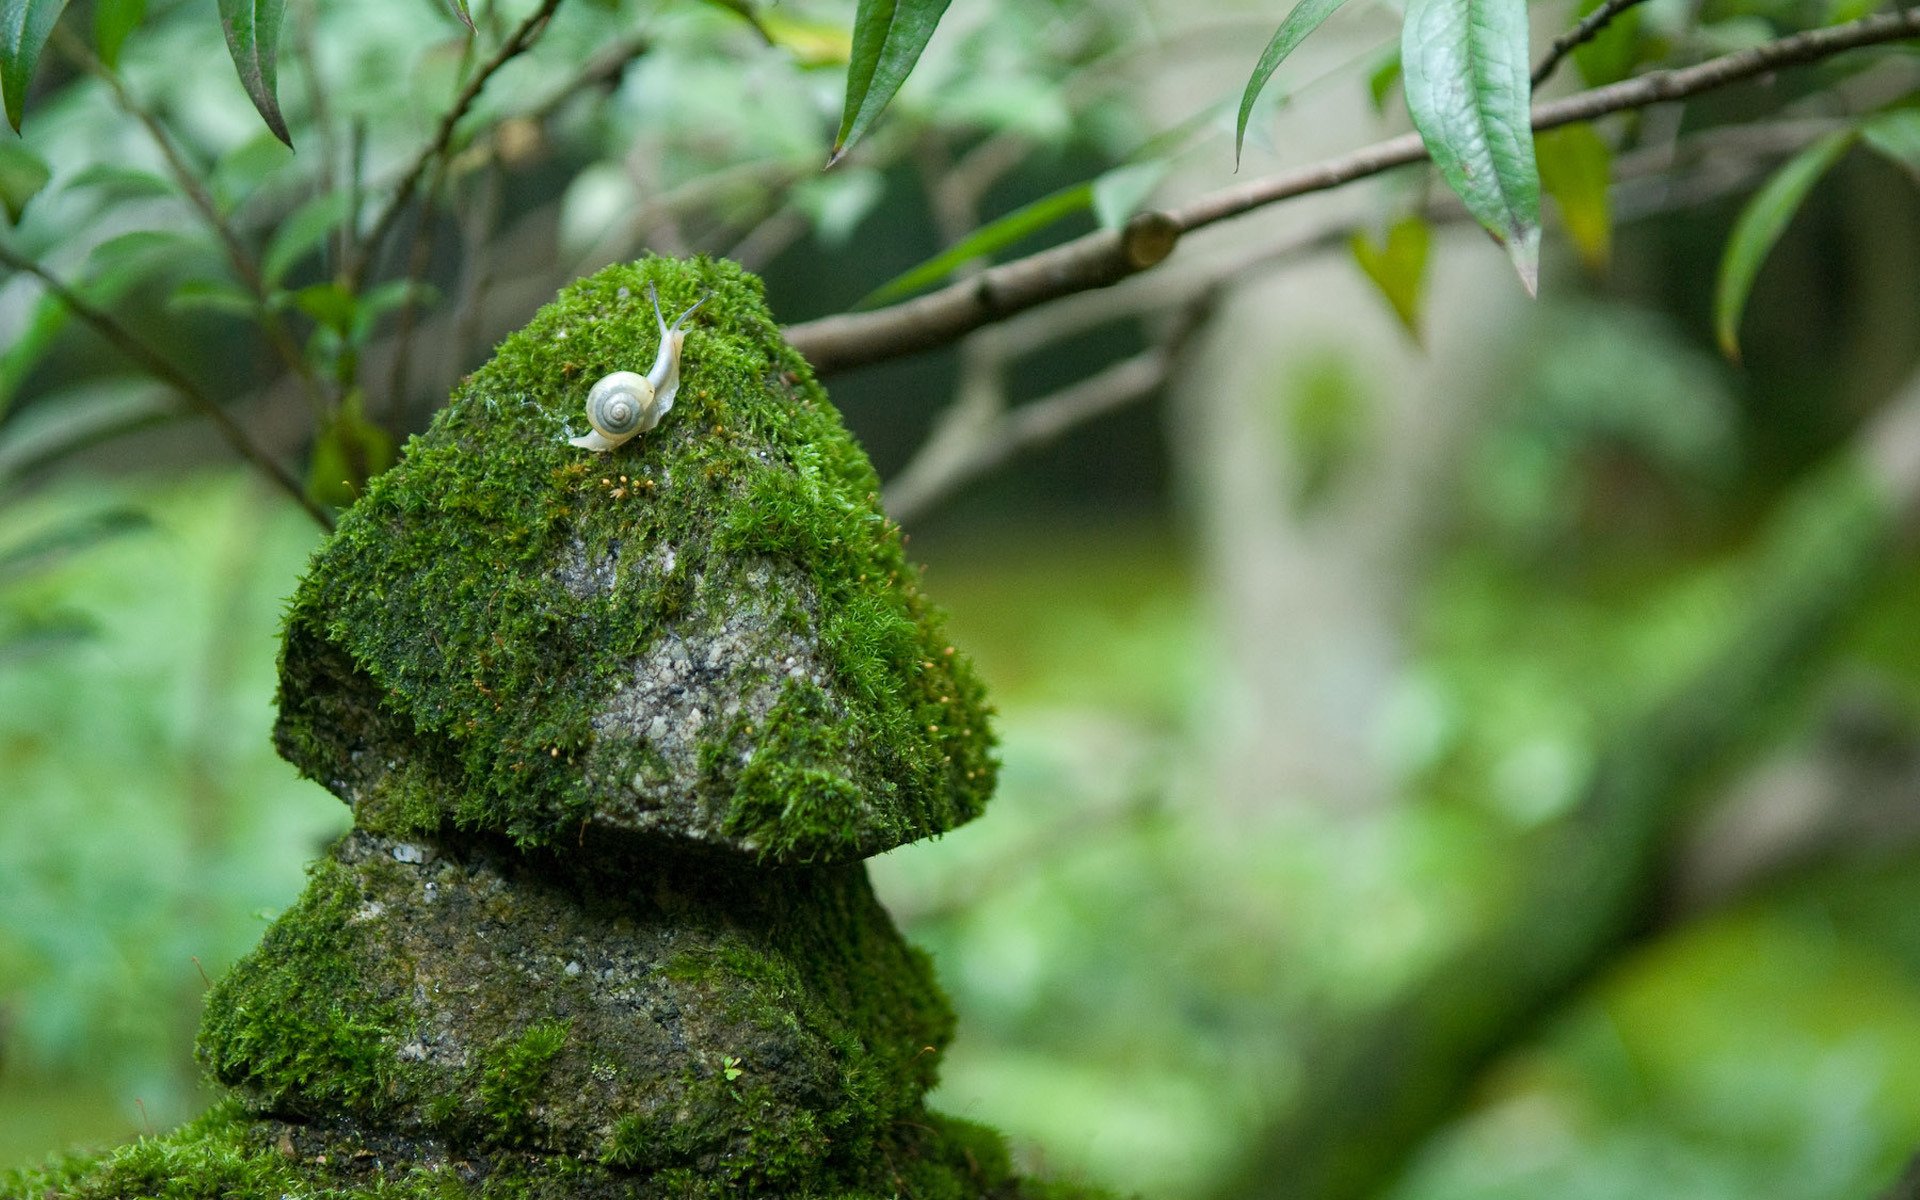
x,y
710,633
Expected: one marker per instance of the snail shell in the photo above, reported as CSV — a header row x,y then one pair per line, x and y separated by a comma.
x,y
618,407
623,404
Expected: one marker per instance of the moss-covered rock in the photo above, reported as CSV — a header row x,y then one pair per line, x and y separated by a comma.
x,y
616,731
650,1012
710,632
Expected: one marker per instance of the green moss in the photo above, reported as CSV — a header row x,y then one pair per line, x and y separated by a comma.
x,y
229,1156
445,662
511,1074
287,1024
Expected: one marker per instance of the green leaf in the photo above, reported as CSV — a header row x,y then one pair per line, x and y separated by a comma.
x,y
461,10
1612,54
22,175
888,36
1301,21
301,233
80,418
25,26
349,451
253,38
992,236
140,253
113,20
116,182
381,300
1466,76
1576,169
1896,136
38,551
1398,267
242,170
1761,223
1381,80
328,303
214,295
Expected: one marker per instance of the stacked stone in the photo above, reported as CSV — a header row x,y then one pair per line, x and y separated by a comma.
x,y
617,731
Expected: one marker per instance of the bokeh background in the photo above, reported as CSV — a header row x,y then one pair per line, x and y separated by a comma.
x,y
1300,659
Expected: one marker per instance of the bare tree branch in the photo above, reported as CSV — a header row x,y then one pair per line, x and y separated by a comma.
x,y
1100,259
517,43
151,361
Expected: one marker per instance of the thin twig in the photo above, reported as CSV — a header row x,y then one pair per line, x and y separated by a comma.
x,y
150,360
239,256
954,457
1104,258
517,43
1588,29
419,253
947,464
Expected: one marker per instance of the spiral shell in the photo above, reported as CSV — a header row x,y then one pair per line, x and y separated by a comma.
x,y
618,407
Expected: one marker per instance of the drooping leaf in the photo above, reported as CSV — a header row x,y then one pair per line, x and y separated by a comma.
x,y
303,230
1896,136
994,235
1576,168
1398,267
22,175
349,451
25,26
1304,18
253,38
461,10
113,20
1120,192
1466,76
888,36
1761,223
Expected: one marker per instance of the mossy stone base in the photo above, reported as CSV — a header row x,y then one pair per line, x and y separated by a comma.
x,y
650,1011
228,1156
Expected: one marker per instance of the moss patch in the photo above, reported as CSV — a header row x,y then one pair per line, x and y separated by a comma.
x,y
505,631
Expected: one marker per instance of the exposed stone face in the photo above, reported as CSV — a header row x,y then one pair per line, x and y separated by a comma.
x,y
709,633
616,731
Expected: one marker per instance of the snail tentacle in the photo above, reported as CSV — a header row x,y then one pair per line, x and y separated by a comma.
x,y
625,404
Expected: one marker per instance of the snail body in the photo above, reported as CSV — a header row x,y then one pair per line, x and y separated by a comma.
x,y
625,404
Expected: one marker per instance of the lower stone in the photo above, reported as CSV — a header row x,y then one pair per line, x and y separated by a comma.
x,y
628,1010
228,1155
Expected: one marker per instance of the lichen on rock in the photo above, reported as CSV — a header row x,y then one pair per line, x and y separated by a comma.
x,y
616,732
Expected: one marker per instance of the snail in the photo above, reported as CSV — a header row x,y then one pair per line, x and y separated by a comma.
x,y
626,403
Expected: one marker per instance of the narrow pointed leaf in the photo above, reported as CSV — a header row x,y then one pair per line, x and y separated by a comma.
x,y
1761,223
994,235
1576,169
303,231
1465,69
1303,20
1398,267
25,26
888,36
253,38
22,175
461,10
113,20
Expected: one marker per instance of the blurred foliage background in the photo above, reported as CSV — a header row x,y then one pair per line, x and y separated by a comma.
x,y
1298,658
